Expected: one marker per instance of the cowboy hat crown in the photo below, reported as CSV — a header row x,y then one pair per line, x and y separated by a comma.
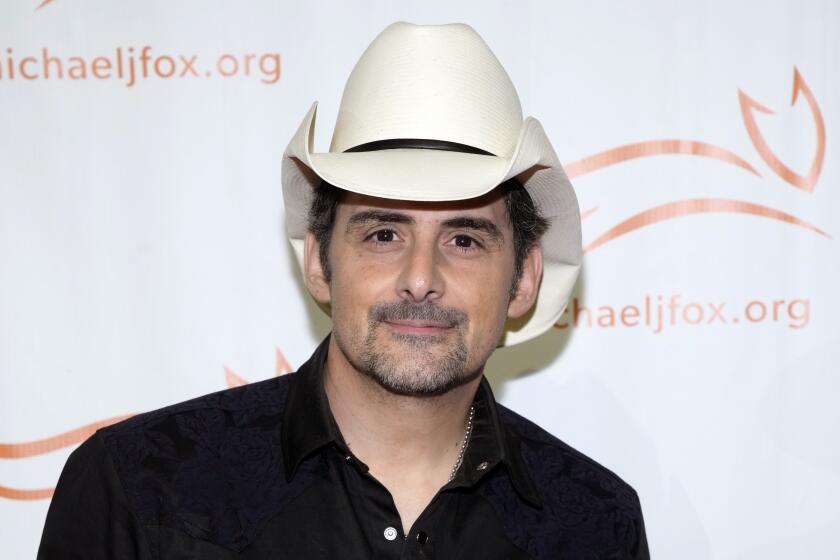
x,y
437,82
429,114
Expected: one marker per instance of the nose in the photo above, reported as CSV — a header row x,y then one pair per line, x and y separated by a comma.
x,y
420,279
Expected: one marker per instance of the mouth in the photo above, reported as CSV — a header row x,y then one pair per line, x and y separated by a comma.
x,y
419,327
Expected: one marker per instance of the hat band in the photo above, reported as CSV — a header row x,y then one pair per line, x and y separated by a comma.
x,y
417,143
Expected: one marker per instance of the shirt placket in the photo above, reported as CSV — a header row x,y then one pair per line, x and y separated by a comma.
x,y
380,518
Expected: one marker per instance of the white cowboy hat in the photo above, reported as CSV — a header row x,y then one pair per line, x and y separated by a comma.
x,y
439,85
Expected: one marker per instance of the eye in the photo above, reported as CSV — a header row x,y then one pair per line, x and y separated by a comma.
x,y
466,243
382,236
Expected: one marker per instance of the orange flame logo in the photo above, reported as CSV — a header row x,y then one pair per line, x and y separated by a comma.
x,y
748,105
682,208
578,168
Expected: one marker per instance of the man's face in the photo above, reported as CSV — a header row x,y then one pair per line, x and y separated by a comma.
x,y
419,291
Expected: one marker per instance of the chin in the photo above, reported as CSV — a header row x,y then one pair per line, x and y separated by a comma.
x,y
416,365
417,383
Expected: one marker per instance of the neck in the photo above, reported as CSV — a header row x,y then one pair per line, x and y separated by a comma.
x,y
412,438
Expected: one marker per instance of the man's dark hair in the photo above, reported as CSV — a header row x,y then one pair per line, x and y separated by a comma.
x,y
528,225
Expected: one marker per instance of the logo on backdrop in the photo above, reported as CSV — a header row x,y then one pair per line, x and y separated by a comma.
x,y
681,208
804,182
657,312
132,66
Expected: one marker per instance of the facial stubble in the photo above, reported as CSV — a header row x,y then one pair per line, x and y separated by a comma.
x,y
411,364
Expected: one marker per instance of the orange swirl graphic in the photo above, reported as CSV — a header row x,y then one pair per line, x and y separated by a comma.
x,y
587,213
42,4
42,446
654,148
696,206
16,494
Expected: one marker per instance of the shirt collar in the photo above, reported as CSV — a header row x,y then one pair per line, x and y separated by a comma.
x,y
309,426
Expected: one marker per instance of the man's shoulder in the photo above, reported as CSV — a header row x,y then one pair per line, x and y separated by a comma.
x,y
550,460
584,505
183,465
210,428
246,401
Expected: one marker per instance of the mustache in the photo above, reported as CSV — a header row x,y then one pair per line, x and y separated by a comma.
x,y
405,311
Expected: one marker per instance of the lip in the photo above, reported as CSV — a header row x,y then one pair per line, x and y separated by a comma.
x,y
418,327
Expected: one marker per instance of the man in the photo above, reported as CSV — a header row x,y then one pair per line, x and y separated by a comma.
x,y
439,226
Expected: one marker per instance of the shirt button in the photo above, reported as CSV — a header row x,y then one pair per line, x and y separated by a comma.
x,y
422,537
483,465
390,533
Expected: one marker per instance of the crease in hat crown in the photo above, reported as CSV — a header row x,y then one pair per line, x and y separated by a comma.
x,y
439,82
435,82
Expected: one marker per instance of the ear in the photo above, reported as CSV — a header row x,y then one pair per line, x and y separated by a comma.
x,y
313,273
529,283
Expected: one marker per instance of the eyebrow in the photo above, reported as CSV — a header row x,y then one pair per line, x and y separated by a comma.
x,y
366,217
476,223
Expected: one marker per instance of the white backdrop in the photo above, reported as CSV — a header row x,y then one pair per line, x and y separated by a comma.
x,y
142,259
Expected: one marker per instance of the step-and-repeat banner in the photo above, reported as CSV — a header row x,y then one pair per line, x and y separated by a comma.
x,y
143,261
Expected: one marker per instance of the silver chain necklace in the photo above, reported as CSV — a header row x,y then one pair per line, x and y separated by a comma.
x,y
467,435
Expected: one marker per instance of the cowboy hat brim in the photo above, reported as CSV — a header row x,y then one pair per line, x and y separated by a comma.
x,y
438,175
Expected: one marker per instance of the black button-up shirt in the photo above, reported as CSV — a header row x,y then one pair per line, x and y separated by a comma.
x,y
261,471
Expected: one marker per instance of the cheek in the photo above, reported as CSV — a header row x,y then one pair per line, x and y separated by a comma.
x,y
483,295
355,286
